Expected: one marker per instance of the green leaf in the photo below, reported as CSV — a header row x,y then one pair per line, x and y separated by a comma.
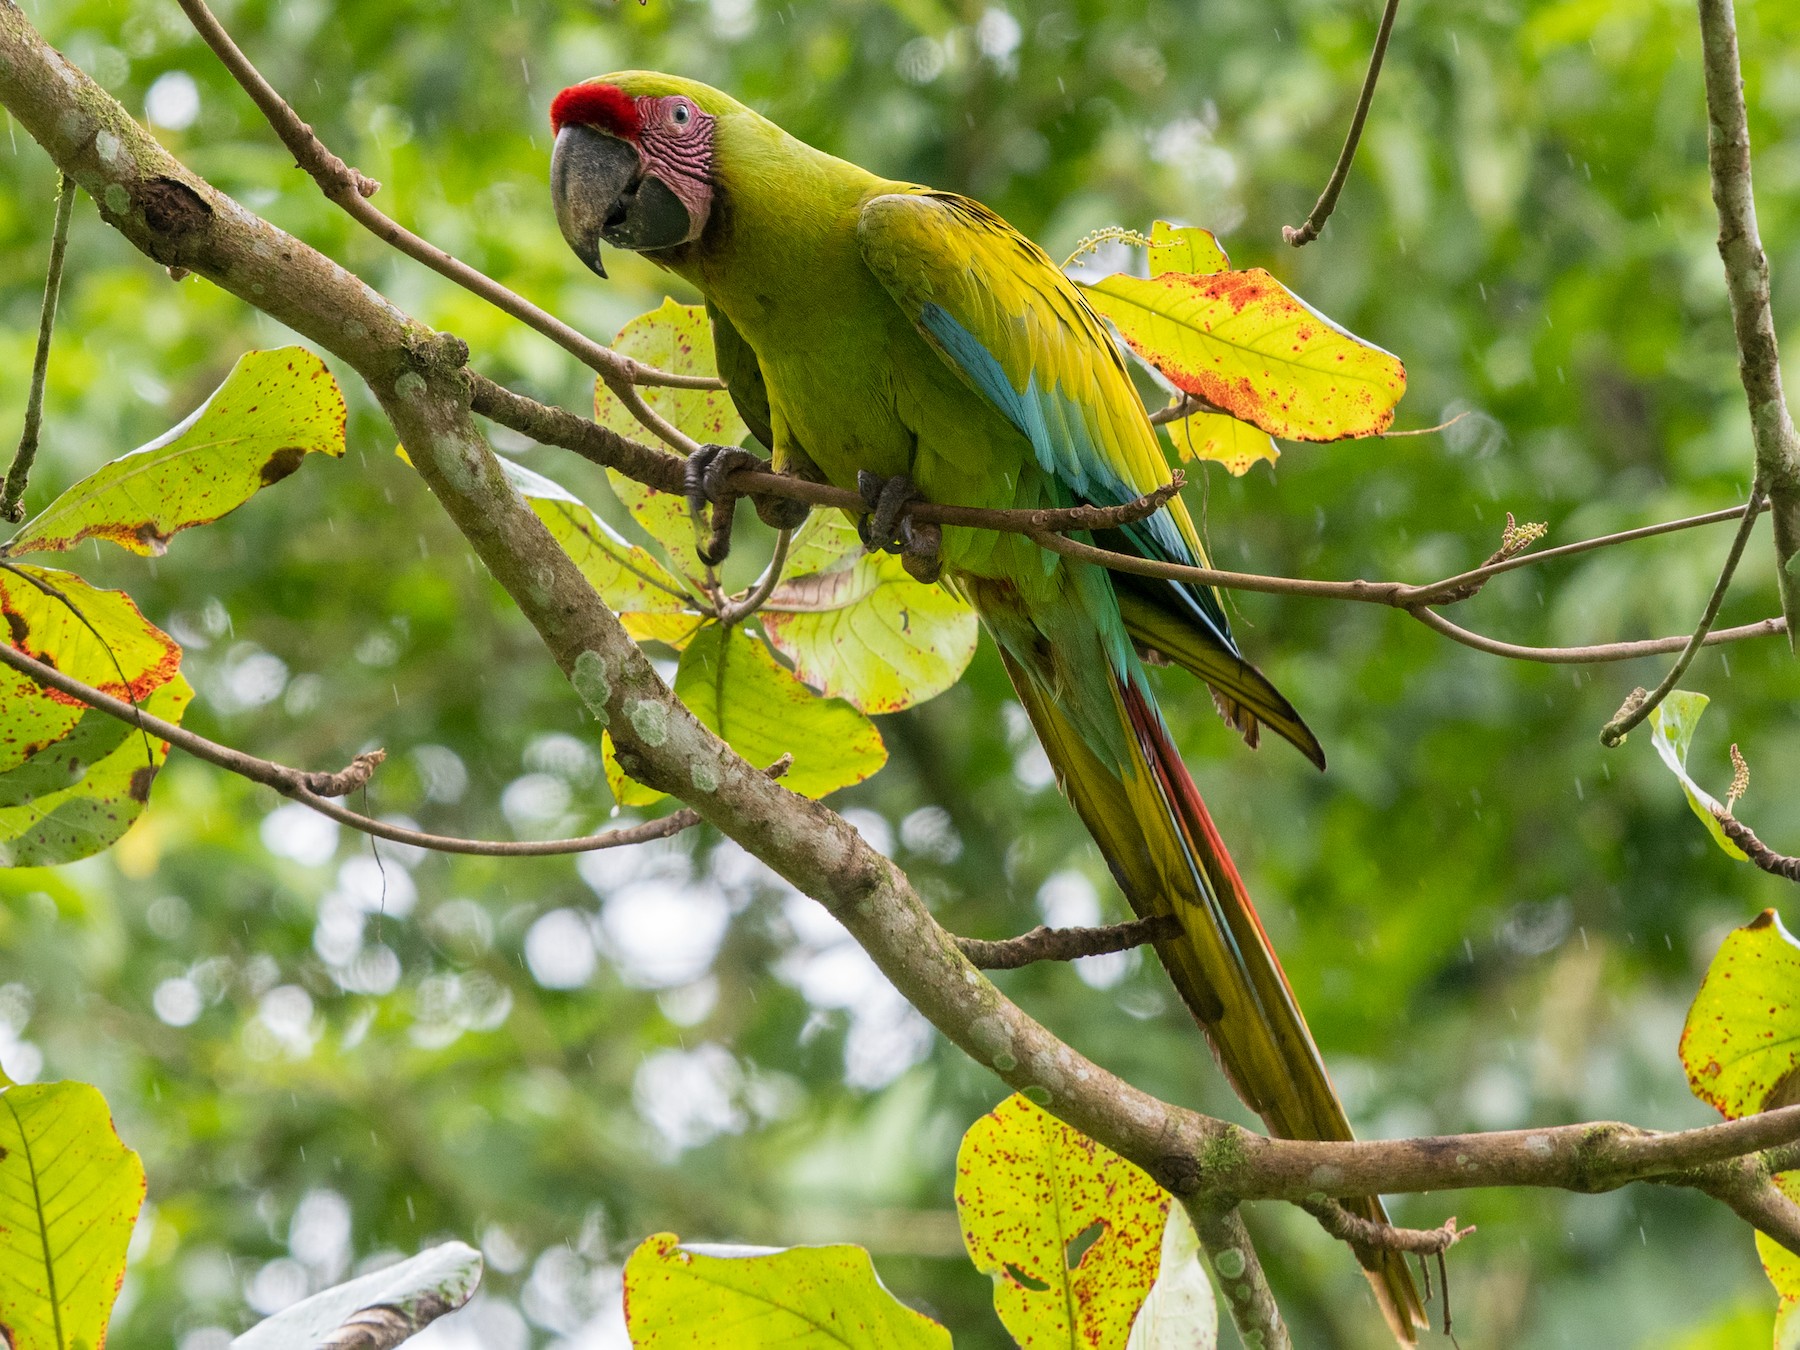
x,y
1741,1044
857,627
650,601
274,409
735,686
1185,248
70,1192
410,1295
758,1298
1029,1189
1224,440
1252,348
1672,726
1181,1312
678,339
1783,1269
73,779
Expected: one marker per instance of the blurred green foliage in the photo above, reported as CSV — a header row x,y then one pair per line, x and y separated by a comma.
x,y
325,1055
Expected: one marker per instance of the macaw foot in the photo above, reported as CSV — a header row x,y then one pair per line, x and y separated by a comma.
x,y
708,470
889,529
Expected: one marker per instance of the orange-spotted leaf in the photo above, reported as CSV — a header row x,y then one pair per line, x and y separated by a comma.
x,y
74,779
1224,440
760,1298
1741,1044
70,1192
1252,348
274,409
1185,248
1783,1269
1069,1232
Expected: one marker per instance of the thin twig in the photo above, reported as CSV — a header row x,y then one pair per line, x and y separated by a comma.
x,y
310,789
1776,864
1598,654
1327,202
1067,944
1637,709
1777,444
12,507
736,611
350,189
1361,1232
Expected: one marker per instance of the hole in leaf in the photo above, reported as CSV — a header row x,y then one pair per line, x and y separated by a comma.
x,y
1031,1282
1079,1244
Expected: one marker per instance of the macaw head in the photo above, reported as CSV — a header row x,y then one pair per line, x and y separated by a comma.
x,y
633,163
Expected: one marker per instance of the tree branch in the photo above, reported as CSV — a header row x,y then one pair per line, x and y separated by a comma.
x,y
1066,944
1776,864
1636,709
11,507
1327,202
1747,283
1361,1232
1240,1276
314,789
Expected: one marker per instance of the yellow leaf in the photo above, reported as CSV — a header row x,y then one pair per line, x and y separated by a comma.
x,y
1224,440
1185,248
1250,347
1030,1191
1741,1043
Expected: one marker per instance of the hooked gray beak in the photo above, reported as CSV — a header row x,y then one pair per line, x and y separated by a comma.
x,y
601,192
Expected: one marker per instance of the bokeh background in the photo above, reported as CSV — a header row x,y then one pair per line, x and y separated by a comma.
x,y
328,1056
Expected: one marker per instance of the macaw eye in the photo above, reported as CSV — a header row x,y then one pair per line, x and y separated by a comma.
x,y
681,115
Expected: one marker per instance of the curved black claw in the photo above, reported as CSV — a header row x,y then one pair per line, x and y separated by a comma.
x,y
708,468
888,529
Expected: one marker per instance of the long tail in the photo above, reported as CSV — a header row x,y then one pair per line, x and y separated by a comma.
x,y
1159,839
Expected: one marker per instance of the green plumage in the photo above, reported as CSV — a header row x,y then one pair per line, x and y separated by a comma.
x,y
869,325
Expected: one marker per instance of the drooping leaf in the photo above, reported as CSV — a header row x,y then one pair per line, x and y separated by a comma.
x,y
1783,1269
1030,1191
274,409
1741,1044
1180,1312
1224,440
734,685
70,1192
676,338
404,1297
73,779
760,1298
650,601
1185,248
1672,726
1249,346
857,627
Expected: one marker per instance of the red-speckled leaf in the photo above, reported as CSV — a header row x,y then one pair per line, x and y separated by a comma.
x,y
1224,440
676,338
751,1298
857,627
1783,1269
69,1196
1741,1044
1030,1191
73,779
1185,248
274,409
1252,348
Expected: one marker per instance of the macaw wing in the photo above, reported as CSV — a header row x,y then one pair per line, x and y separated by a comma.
x,y
743,377
1018,332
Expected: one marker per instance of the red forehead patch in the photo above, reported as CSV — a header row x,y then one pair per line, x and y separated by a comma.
x,y
596,105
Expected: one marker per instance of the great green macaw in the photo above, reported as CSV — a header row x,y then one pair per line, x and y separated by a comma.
x,y
869,327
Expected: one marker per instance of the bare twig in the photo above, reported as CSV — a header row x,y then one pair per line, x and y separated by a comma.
x,y
1067,944
350,189
1747,283
1598,654
12,508
1776,864
736,611
1240,1276
1637,709
314,789
1327,202
1515,539
1361,1232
